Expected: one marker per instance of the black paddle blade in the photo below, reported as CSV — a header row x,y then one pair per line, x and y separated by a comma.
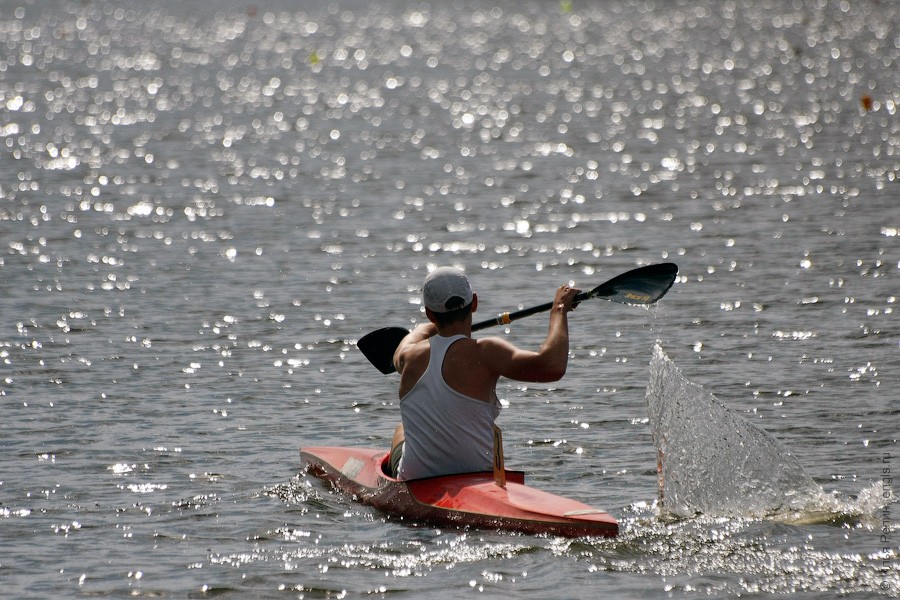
x,y
644,285
378,346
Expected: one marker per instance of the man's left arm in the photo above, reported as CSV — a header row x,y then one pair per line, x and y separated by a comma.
x,y
420,333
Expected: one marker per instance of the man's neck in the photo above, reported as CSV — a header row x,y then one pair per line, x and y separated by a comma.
x,y
461,328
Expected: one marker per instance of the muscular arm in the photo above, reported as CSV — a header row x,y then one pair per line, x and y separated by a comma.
x,y
545,365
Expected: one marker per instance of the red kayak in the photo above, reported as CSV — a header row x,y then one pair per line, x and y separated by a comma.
x,y
467,500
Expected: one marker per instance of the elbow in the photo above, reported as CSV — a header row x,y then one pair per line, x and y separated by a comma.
x,y
559,373
553,373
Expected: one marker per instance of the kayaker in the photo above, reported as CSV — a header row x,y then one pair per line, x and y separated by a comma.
x,y
448,397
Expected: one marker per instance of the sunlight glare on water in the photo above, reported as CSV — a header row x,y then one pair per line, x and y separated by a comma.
x,y
202,211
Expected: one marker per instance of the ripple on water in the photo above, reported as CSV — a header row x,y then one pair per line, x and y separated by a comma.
x,y
202,211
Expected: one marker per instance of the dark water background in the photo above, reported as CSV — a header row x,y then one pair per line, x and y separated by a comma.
x,y
203,206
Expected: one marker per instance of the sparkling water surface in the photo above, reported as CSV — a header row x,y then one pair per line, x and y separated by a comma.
x,y
201,211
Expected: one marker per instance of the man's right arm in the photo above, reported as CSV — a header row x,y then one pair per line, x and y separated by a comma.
x,y
549,362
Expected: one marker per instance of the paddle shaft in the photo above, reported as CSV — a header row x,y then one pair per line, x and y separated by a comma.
x,y
507,318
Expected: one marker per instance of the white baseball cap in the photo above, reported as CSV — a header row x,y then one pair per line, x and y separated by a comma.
x,y
446,289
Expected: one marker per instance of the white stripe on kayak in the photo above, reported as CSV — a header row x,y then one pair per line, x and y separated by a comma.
x,y
352,467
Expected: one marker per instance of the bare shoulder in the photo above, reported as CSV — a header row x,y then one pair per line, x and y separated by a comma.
x,y
497,352
494,346
411,352
412,345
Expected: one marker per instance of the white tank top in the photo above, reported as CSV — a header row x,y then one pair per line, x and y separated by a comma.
x,y
446,432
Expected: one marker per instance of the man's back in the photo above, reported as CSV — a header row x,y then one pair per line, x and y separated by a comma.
x,y
446,431
464,369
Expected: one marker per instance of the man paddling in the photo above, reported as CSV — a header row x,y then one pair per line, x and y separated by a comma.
x,y
448,397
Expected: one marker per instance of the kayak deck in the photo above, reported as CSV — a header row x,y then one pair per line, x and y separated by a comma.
x,y
464,500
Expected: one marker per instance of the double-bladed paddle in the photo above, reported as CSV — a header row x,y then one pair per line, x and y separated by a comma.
x,y
644,285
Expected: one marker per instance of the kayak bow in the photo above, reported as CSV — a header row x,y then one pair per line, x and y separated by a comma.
x,y
465,500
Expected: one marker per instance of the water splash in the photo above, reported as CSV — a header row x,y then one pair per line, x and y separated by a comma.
x,y
714,462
